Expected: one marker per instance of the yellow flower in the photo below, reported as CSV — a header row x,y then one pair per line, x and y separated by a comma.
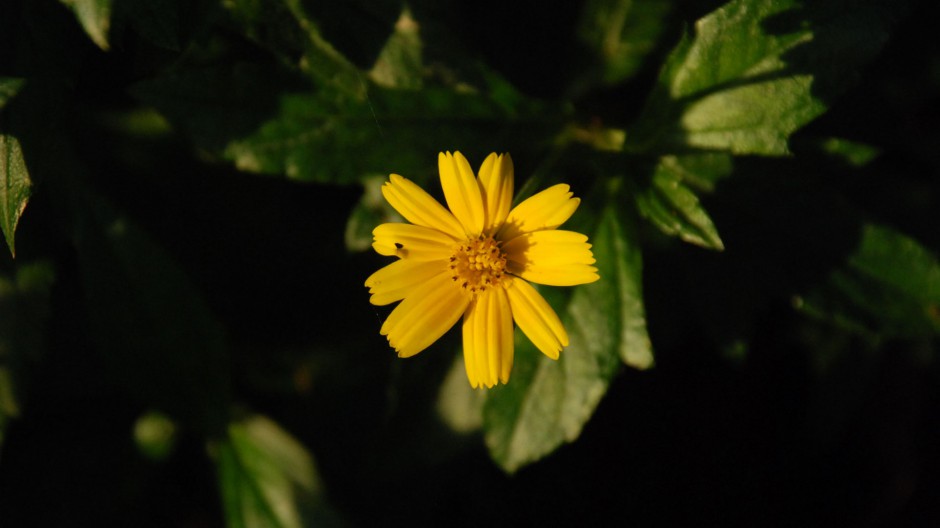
x,y
474,261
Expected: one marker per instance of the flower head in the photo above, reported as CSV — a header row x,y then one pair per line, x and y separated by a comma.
x,y
476,261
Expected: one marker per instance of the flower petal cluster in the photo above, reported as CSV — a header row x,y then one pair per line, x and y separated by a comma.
x,y
474,260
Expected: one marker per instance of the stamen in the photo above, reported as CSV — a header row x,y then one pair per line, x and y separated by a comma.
x,y
478,263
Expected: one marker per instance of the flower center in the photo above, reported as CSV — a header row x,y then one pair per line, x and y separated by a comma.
x,y
478,264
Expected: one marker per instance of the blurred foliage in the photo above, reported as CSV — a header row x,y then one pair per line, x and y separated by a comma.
x,y
188,190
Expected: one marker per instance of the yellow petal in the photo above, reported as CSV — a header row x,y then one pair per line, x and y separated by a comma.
x,y
397,280
536,318
461,191
419,207
554,257
545,210
496,182
412,241
487,339
425,315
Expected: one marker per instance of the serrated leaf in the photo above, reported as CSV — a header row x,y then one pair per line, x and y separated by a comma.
x,y
261,121
888,287
315,140
621,33
267,478
151,326
15,187
95,18
757,70
546,403
615,245
671,205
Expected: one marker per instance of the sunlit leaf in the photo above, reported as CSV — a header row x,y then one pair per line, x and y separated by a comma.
x,y
621,33
267,478
15,187
888,287
399,64
547,403
671,205
757,70
618,255
95,18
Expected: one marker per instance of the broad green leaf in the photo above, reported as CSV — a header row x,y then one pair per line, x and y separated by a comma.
x,y
671,205
258,118
313,139
9,86
888,287
322,61
399,64
154,331
267,478
546,403
288,29
15,187
757,70
95,18
616,247
621,34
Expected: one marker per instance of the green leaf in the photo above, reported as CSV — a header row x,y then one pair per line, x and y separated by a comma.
x,y
257,117
670,204
15,187
616,248
322,61
546,402
95,18
889,287
757,70
267,478
399,64
621,34
151,326
9,87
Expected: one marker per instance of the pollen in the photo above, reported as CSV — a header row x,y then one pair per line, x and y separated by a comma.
x,y
477,265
